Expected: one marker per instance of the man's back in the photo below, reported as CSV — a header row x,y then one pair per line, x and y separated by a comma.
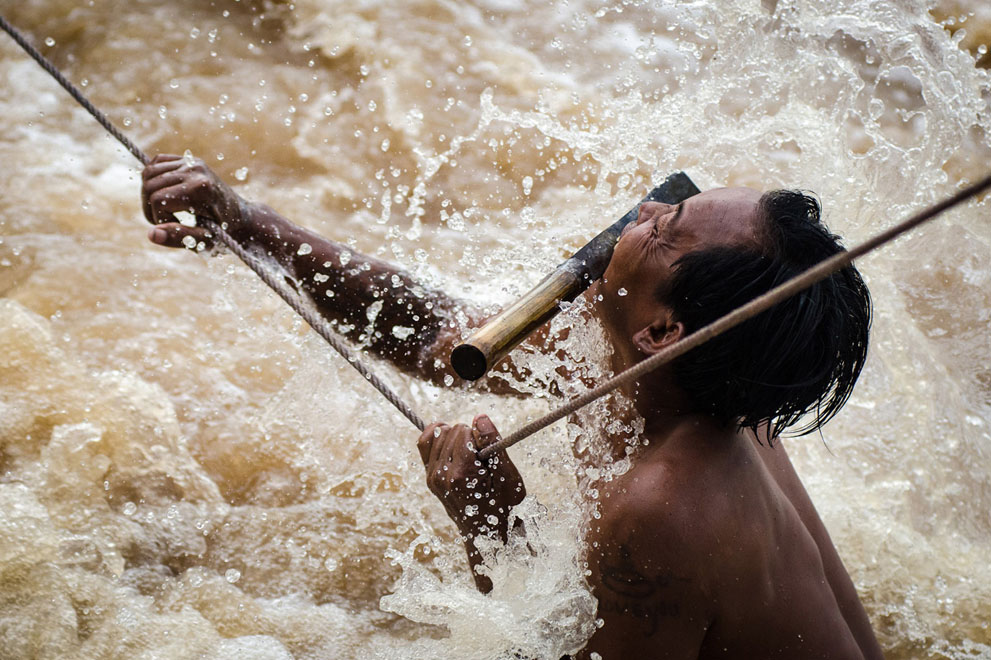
x,y
699,553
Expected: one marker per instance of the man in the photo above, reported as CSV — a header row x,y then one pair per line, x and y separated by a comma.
x,y
708,546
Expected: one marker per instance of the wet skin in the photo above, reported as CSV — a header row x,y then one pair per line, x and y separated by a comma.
x,y
708,547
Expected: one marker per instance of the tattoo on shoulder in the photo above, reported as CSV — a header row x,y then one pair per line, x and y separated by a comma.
x,y
628,590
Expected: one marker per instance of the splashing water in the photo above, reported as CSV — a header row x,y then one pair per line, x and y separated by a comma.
x,y
185,472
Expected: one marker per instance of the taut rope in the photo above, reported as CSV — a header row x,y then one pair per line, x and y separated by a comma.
x,y
798,283
294,300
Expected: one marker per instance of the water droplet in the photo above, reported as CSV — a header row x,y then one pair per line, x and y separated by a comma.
x,y
468,41
232,575
195,32
129,509
174,84
875,109
345,257
471,510
492,520
189,242
49,42
372,312
304,249
449,380
241,174
401,332
527,184
163,112
330,564
188,158
622,291
385,145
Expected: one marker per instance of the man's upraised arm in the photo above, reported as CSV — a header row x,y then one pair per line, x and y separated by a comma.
x,y
371,302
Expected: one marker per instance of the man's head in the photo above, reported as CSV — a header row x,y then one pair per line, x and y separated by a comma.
x,y
681,267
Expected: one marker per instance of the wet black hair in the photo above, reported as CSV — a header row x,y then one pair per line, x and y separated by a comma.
x,y
802,356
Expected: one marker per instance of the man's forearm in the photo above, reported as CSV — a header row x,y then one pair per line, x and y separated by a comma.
x,y
372,303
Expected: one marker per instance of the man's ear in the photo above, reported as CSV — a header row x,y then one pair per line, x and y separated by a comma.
x,y
660,334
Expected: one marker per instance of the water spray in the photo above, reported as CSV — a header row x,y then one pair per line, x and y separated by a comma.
x,y
494,340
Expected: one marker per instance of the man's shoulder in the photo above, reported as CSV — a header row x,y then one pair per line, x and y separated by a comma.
x,y
658,508
677,506
647,568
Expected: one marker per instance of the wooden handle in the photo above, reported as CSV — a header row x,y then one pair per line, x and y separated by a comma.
x,y
503,332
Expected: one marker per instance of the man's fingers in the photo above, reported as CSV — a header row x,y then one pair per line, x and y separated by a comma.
x,y
161,181
487,433
172,234
165,201
164,157
440,433
455,450
440,451
152,185
426,441
156,168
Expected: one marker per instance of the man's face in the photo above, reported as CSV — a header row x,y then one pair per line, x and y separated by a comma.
x,y
663,233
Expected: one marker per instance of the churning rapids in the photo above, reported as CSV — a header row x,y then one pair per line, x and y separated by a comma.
x,y
187,472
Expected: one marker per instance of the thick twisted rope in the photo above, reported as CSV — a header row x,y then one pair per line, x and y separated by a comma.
x,y
276,283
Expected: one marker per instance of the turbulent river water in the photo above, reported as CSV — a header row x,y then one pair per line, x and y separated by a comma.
x,y
187,472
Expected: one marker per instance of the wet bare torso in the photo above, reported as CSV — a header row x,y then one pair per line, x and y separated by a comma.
x,y
700,553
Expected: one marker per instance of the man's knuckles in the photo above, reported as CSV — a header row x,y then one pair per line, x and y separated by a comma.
x,y
427,438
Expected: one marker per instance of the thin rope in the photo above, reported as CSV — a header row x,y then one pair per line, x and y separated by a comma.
x,y
800,282
276,283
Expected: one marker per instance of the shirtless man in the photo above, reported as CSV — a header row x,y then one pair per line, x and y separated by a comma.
x,y
709,545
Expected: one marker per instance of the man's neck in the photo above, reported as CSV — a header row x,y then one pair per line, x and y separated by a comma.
x,y
665,426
